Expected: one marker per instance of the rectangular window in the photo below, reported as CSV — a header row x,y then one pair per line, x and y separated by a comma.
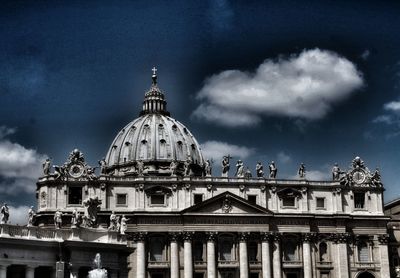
x,y
252,249
157,199
252,199
199,275
320,203
359,200
254,275
75,195
121,199
198,251
288,201
197,199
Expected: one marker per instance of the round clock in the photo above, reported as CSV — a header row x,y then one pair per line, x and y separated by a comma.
x,y
76,170
359,177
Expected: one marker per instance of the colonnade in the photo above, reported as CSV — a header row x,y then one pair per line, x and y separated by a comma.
x,y
271,267
29,271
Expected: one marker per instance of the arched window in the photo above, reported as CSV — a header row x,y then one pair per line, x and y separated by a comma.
x,y
290,249
363,251
365,274
156,248
323,252
225,244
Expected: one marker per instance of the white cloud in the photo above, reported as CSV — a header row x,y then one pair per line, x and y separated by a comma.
x,y
304,86
216,150
283,157
393,106
5,131
365,54
18,215
19,166
387,119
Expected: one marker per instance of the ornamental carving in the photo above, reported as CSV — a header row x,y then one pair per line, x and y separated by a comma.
x,y
341,237
140,236
226,204
209,187
188,236
243,236
308,237
360,176
266,236
383,239
242,187
174,236
75,167
187,186
211,236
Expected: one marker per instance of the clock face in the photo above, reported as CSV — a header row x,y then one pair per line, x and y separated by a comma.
x,y
359,177
76,170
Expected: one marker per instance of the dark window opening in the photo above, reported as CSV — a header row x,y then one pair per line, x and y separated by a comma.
x,y
199,275
198,251
359,200
121,199
252,199
157,199
75,195
252,251
288,201
198,198
320,202
254,275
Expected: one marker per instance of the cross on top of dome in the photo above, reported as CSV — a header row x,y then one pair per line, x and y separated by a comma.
x,y
154,100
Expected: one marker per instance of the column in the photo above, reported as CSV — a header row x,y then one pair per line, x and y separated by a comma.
x,y
266,255
174,255
3,271
211,266
243,258
29,272
276,257
342,255
140,255
384,255
188,260
307,266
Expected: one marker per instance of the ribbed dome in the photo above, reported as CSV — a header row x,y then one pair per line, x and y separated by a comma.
x,y
155,140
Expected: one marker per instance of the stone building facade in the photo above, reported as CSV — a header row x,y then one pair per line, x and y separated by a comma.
x,y
184,222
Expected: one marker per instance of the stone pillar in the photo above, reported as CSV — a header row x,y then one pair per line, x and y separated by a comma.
x,y
174,255
30,271
188,260
342,255
276,257
211,264
384,255
307,264
243,258
140,255
266,255
3,271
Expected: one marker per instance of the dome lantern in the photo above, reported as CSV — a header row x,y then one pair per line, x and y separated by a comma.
x,y
154,99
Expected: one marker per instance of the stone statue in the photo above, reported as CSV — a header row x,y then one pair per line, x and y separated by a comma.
x,y
59,172
247,173
208,168
225,166
376,178
97,271
118,223
113,222
239,169
140,167
173,167
31,216
186,167
46,167
58,219
336,172
76,219
5,214
259,170
76,156
91,173
103,166
92,206
273,170
124,225
357,163
302,171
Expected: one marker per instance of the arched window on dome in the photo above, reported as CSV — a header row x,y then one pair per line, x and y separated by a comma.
x,y
163,148
179,150
144,146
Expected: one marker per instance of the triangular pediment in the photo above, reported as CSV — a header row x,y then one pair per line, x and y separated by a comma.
x,y
226,203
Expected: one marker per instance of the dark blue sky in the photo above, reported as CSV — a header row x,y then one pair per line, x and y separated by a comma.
x,y
73,74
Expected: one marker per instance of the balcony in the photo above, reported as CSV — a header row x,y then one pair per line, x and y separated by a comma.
x,y
324,265
228,264
60,235
158,264
292,264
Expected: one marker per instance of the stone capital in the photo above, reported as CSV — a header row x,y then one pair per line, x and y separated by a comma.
x,y
383,239
341,238
211,236
174,236
307,237
276,237
140,236
244,236
188,236
266,236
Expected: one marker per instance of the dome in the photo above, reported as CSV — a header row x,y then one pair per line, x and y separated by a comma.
x,y
154,143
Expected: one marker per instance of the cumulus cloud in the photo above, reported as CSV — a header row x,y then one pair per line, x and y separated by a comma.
x,y
19,166
304,86
19,215
393,106
216,150
283,157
